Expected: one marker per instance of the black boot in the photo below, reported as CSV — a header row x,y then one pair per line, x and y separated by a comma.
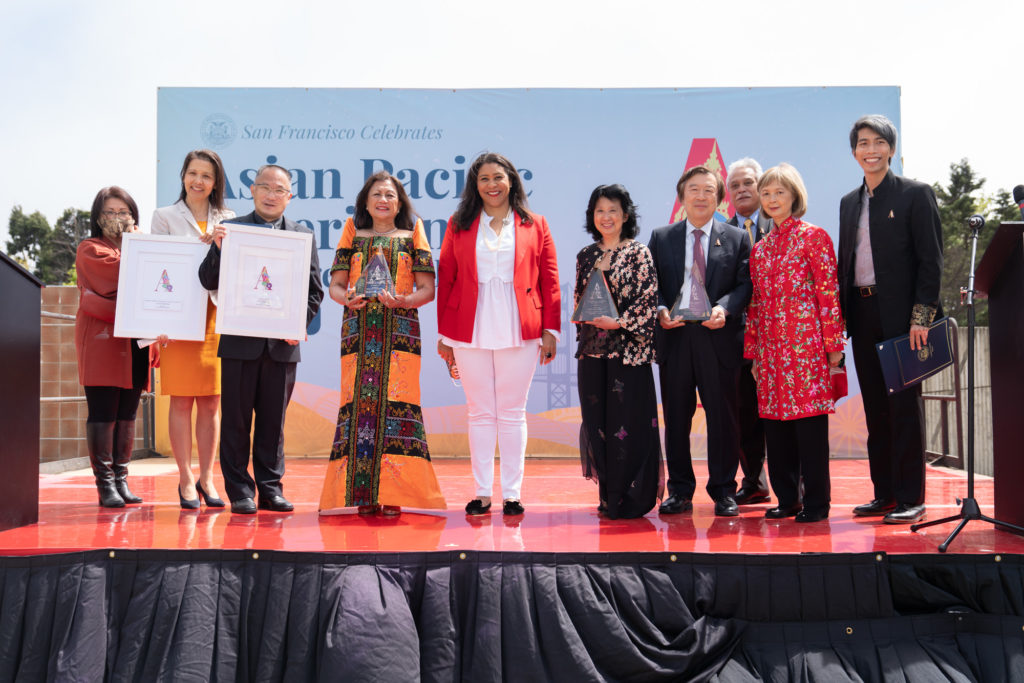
x,y
124,442
99,436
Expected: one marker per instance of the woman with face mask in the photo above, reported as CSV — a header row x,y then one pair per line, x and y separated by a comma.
x,y
114,371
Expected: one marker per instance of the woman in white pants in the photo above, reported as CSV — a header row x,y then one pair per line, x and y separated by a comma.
x,y
498,309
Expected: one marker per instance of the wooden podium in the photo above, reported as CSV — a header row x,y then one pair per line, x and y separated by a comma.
x,y
1000,275
19,398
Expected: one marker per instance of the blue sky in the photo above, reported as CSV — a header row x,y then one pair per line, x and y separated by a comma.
x,y
81,78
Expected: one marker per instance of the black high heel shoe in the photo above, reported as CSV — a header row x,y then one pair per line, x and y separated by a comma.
x,y
210,501
187,504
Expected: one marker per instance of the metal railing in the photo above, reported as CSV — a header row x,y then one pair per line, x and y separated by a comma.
x,y
945,457
148,398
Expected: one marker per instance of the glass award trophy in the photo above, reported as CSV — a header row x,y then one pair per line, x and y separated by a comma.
x,y
692,304
375,278
596,300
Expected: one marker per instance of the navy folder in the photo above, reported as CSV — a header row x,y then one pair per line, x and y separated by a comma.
x,y
903,367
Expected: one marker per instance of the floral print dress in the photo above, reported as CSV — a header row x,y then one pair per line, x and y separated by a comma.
x,y
793,320
620,445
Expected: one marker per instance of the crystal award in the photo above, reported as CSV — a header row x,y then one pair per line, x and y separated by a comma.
x,y
596,300
692,303
375,278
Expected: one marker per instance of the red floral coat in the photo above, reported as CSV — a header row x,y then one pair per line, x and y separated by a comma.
x,y
793,320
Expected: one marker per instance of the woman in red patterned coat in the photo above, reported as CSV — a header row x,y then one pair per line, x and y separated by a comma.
x,y
114,371
794,335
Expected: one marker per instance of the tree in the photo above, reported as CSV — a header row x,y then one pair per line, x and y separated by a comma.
x,y
48,252
959,200
28,236
70,229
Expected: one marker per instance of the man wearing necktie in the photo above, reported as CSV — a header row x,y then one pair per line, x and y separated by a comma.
x,y
257,374
742,183
701,356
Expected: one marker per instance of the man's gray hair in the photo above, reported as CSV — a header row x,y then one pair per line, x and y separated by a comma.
x,y
745,162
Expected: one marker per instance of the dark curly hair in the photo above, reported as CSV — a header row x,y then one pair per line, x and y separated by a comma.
x,y
616,193
471,203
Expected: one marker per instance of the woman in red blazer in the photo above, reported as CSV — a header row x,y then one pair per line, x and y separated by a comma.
x,y
113,371
498,308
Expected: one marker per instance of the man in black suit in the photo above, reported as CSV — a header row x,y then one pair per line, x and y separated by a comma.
x,y
741,180
890,265
701,356
257,374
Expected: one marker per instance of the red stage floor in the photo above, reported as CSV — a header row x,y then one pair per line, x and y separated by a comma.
x,y
560,516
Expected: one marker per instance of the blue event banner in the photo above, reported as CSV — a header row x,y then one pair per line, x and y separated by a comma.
x,y
563,141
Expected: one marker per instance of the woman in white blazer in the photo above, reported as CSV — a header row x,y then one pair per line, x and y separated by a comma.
x,y
190,371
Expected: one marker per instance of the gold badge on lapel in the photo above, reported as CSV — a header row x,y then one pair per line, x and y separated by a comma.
x,y
890,214
718,243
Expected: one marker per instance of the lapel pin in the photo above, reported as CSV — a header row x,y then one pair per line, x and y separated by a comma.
x,y
890,214
718,243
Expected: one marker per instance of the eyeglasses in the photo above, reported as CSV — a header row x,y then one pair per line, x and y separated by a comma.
x,y
276,191
117,214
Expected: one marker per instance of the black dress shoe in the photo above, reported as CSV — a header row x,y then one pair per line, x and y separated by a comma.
x,y
512,507
875,508
783,511
477,507
275,503
752,497
243,506
905,514
675,504
726,507
812,515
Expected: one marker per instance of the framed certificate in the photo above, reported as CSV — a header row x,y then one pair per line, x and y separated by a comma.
x,y
158,288
264,282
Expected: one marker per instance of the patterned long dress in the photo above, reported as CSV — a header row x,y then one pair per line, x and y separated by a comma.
x,y
793,320
620,445
380,453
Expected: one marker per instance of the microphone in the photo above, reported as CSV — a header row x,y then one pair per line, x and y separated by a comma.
x,y
1018,197
975,222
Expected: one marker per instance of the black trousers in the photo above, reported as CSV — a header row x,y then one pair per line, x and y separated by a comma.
x,y
260,387
619,441
799,448
691,363
110,404
895,421
752,443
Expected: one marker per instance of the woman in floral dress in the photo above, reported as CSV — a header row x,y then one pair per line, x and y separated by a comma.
x,y
794,334
380,460
619,439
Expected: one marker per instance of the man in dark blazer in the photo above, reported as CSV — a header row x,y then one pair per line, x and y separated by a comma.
x,y
890,265
257,374
741,180
695,356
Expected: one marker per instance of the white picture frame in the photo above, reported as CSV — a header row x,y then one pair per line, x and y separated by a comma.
x,y
158,288
264,282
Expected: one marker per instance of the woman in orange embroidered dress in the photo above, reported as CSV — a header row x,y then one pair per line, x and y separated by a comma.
x,y
380,460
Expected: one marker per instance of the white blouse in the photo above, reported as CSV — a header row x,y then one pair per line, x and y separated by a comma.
x,y
497,324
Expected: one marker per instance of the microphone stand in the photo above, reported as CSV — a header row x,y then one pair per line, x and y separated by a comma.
x,y
969,508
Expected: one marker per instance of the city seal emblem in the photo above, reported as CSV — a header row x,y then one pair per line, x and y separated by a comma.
x,y
218,131
925,352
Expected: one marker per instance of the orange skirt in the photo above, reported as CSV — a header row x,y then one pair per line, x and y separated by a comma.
x,y
192,368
